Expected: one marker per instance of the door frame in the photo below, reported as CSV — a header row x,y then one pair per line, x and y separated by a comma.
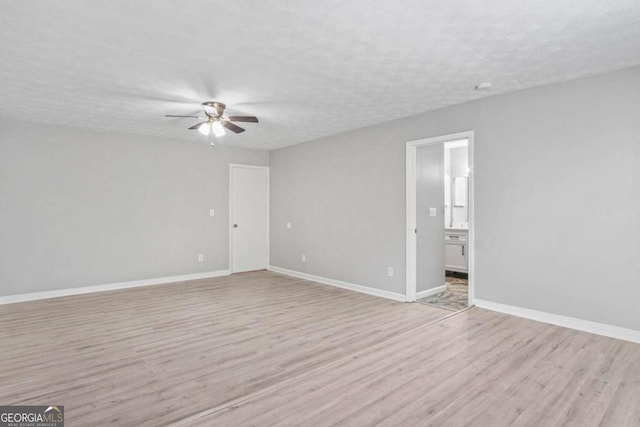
x,y
243,166
411,215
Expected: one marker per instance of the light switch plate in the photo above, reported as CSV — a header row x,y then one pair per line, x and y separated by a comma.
x,y
212,212
433,212
288,225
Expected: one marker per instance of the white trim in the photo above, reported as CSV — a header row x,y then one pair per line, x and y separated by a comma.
x,y
238,165
231,166
411,221
10,299
268,169
471,233
565,321
429,292
339,284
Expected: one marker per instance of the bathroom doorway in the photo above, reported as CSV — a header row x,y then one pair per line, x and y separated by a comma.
x,y
440,221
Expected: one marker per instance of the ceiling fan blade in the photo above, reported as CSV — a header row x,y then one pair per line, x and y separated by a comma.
x,y
232,127
176,115
197,125
248,119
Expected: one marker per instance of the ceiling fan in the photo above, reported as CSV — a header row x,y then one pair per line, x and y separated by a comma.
x,y
214,120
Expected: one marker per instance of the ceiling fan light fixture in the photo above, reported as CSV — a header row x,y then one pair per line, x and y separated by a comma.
x,y
215,122
204,128
217,129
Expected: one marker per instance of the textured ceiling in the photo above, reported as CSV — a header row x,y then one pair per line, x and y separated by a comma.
x,y
306,68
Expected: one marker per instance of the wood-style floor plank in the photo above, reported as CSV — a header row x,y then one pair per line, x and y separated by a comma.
x,y
155,355
476,368
262,349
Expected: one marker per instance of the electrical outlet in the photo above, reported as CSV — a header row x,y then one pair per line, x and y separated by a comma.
x,y
200,257
303,258
390,271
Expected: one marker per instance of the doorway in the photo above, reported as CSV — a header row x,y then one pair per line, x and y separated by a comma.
x,y
248,217
440,221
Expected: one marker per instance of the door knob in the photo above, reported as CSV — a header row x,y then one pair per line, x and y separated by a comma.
x,y
235,225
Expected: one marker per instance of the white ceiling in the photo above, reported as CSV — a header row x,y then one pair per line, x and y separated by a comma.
x,y
306,68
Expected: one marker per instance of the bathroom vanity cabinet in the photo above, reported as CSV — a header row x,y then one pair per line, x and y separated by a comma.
x,y
456,250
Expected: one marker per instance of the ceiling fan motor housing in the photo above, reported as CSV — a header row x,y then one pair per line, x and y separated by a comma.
x,y
218,106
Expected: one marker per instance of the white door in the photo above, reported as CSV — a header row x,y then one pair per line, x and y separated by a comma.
x,y
249,214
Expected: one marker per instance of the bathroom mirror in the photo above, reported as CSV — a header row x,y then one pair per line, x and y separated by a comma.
x,y
456,185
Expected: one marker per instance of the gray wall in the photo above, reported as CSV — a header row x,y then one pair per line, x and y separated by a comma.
x,y
557,200
81,208
430,239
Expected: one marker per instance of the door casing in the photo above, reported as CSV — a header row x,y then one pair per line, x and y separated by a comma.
x,y
411,216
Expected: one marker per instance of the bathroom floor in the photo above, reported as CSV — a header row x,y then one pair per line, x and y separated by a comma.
x,y
454,298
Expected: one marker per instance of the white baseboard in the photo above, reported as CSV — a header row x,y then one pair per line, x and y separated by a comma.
x,y
340,284
10,299
429,292
568,322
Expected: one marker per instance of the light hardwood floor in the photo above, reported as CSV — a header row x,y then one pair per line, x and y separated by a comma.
x,y
154,355
266,349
